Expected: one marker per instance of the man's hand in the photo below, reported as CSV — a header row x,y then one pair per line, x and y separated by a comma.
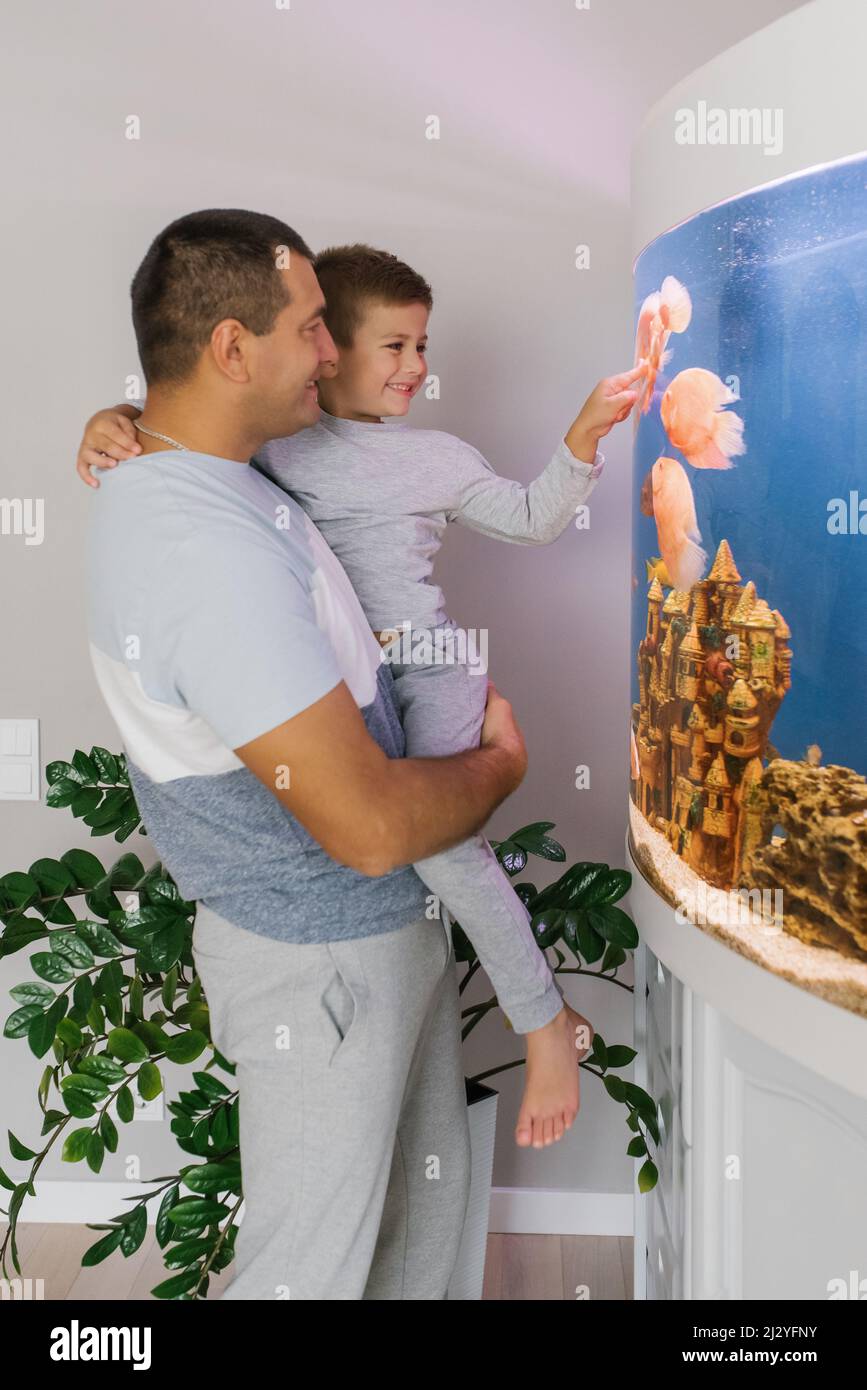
x,y
500,730
610,401
375,813
108,438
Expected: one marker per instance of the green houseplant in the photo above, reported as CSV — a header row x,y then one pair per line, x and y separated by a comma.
x,y
116,993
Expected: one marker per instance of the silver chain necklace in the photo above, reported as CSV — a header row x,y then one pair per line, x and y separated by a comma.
x,y
156,435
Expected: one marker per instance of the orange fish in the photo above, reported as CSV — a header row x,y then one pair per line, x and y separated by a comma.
x,y
664,312
634,764
692,413
676,523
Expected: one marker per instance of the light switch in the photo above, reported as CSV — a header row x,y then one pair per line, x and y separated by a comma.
x,y
19,759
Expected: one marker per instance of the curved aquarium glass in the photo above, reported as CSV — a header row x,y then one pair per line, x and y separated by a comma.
x,y
748,746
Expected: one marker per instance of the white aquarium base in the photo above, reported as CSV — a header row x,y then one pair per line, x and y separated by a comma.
x,y
837,978
762,1090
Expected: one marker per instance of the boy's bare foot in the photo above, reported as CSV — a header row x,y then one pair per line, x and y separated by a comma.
x,y
551,1090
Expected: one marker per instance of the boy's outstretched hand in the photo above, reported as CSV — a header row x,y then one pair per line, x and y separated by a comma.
x,y
610,401
108,438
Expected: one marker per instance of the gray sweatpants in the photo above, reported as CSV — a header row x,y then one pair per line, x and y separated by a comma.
x,y
442,709
353,1121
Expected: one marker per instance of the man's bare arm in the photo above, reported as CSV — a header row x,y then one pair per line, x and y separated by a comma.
x,y
375,813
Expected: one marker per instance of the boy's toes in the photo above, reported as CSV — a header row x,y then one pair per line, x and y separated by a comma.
x,y
558,1127
524,1131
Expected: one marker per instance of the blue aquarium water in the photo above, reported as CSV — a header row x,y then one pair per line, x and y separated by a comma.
x,y
766,295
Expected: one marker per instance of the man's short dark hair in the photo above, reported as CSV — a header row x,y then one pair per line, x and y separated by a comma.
x,y
217,264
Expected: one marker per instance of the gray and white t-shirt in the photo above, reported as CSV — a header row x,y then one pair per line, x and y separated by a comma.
x,y
216,612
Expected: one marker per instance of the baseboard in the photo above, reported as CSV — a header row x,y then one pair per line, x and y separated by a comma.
x,y
540,1211
513,1210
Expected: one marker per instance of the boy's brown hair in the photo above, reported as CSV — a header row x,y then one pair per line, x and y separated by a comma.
x,y
356,275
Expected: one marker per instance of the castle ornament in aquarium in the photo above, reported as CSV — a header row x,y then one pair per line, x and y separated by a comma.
x,y
749,638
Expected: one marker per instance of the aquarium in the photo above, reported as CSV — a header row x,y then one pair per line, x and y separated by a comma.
x,y
748,741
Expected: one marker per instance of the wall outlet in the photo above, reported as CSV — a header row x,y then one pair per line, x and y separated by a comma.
x,y
19,759
148,1109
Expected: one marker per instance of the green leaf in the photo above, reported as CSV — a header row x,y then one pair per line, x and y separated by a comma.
x,y
85,801
108,1130
84,866
75,1147
123,1044
178,1285
152,1034
647,1176
40,1034
615,1086
613,958
613,925
79,1104
546,928
590,942
70,946
21,889
512,857
164,1228
31,992
644,1104
18,1023
196,1211
186,1047
636,1147
105,763
57,770
214,1177
62,793
17,1149
125,1104
50,966
620,1055
105,1068
150,1082
220,1128
82,993
52,876
83,765
188,1250
613,886
95,1152
212,1087
170,986
135,1230
127,872
92,1087
100,940
69,1033
165,947
95,1017
103,1248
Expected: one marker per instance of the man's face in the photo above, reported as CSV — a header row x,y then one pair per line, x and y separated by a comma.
x,y
289,358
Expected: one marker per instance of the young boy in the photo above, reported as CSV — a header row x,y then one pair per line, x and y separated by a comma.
x,y
382,495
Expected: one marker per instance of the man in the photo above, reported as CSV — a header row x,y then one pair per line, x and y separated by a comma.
x,y
265,753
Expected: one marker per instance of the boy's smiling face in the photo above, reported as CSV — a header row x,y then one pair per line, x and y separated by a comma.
x,y
378,375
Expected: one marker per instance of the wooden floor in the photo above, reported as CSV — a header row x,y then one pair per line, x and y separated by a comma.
x,y
518,1268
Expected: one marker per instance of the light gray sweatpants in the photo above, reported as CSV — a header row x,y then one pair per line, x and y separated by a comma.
x,y
354,1137
442,707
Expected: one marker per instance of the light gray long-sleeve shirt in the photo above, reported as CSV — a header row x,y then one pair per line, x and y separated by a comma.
x,y
383,493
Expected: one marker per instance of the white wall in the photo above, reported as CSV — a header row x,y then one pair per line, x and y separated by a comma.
x,y
317,114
